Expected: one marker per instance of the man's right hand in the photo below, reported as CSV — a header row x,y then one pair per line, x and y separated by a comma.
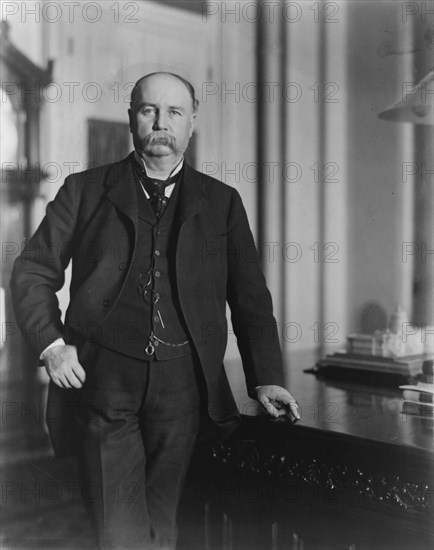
x,y
63,367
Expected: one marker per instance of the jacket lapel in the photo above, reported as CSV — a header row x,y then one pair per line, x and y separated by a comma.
x,y
123,192
191,194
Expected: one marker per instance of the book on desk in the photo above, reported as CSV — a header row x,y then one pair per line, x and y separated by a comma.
x,y
408,366
416,371
419,397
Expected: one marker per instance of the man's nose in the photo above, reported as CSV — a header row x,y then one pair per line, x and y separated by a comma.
x,y
160,122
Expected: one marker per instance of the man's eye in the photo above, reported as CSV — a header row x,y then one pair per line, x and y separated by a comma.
x,y
174,112
148,110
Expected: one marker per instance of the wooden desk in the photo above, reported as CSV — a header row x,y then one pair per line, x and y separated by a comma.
x,y
353,473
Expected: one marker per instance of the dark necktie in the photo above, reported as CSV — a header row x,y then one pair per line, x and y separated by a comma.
x,y
155,189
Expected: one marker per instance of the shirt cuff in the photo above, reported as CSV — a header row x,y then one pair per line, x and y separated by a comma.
x,y
58,342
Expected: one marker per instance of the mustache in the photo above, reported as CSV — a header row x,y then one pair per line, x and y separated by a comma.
x,y
159,138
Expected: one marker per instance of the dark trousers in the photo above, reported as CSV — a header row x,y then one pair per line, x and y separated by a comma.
x,y
138,423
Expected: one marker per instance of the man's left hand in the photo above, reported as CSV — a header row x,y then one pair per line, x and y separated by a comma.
x,y
277,401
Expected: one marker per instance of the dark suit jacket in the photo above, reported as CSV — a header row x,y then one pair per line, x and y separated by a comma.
x,y
93,221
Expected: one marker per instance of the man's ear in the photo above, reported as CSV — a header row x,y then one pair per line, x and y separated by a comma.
x,y
130,117
192,123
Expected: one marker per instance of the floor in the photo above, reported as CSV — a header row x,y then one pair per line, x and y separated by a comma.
x,y
42,507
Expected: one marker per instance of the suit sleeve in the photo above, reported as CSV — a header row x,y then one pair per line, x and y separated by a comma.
x,y
251,305
40,271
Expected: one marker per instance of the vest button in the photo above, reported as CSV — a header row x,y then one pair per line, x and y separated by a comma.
x,y
157,252
157,274
156,319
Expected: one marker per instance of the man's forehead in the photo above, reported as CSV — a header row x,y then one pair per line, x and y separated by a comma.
x,y
163,87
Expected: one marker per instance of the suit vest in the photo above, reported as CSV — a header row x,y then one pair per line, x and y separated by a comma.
x,y
146,321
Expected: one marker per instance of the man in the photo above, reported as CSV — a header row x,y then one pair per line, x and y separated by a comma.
x,y
157,249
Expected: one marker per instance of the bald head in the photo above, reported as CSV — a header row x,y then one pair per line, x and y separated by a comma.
x,y
137,86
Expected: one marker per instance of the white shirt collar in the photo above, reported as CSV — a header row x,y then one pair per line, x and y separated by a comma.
x,y
169,189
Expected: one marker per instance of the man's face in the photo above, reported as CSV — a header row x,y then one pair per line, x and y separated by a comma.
x,y
162,117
